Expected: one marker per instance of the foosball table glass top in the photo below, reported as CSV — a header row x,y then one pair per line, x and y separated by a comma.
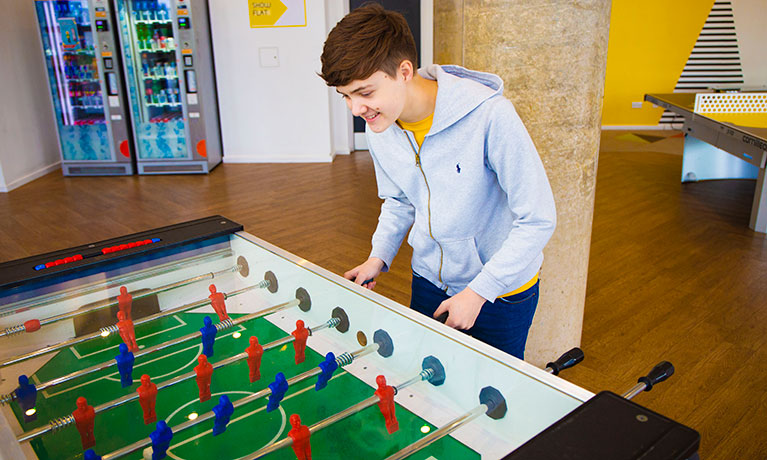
x,y
172,287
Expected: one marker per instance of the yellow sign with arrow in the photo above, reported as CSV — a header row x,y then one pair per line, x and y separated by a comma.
x,y
277,13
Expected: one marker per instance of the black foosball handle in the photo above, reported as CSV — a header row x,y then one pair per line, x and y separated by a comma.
x,y
659,373
566,361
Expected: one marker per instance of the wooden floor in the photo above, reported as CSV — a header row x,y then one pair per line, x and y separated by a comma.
x,y
674,271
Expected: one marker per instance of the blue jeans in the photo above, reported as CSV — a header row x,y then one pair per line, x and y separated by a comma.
x,y
503,324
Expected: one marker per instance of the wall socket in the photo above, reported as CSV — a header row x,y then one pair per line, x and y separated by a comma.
x,y
636,105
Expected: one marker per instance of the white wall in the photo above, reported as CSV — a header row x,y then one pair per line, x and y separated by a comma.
x,y
750,18
28,144
275,114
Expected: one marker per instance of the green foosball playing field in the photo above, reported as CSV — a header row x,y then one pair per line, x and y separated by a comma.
x,y
362,435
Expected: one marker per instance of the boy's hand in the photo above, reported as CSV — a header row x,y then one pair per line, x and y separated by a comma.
x,y
463,309
365,274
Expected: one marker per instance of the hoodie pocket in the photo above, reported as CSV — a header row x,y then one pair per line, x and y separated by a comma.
x,y
461,262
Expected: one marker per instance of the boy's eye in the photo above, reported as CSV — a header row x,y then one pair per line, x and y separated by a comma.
x,y
366,94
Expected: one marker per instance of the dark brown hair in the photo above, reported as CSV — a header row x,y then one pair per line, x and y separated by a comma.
x,y
365,41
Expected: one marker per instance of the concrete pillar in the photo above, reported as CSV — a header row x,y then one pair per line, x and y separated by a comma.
x,y
551,55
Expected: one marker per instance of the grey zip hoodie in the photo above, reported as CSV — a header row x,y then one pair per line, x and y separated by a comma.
x,y
475,194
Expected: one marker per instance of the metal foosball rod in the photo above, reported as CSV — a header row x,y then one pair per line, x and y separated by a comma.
x,y
492,403
87,289
105,331
108,303
342,360
659,373
223,325
496,408
428,374
59,423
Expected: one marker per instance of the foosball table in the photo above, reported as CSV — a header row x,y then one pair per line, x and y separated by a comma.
x,y
199,340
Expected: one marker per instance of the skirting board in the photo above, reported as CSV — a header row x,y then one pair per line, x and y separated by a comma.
x,y
278,159
636,127
29,177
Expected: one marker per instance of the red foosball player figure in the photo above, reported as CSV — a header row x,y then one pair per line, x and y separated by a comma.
x,y
125,302
386,395
300,435
85,419
204,371
125,327
217,302
147,395
254,351
301,334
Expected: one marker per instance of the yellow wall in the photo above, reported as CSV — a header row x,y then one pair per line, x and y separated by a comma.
x,y
650,41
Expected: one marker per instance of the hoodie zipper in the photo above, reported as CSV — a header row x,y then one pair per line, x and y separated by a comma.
x,y
428,200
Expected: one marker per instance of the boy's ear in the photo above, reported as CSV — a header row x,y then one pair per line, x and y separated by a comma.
x,y
406,69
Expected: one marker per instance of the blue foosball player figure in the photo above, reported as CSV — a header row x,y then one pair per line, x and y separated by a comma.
x,y
125,362
26,396
279,387
91,455
223,410
208,332
328,367
161,440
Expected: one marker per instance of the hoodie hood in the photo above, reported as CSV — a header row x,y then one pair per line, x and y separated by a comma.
x,y
460,92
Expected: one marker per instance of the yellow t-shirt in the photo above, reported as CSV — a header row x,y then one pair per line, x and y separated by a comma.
x,y
420,129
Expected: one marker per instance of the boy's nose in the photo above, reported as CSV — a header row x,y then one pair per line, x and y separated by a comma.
x,y
357,108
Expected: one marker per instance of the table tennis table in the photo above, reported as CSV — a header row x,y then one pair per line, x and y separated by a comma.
x,y
745,143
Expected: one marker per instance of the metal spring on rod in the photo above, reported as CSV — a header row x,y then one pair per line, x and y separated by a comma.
x,y
6,399
14,330
61,422
427,374
344,359
264,284
225,324
333,322
109,330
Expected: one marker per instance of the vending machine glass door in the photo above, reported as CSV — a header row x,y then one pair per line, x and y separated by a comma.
x,y
152,73
73,74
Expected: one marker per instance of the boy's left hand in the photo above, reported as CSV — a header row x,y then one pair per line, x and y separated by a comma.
x,y
463,309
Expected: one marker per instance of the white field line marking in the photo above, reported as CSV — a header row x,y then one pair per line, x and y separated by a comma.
x,y
110,376
274,439
79,356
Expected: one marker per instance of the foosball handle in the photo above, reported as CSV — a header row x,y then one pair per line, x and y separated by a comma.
x,y
566,361
659,373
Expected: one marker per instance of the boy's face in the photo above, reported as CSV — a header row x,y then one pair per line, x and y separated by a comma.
x,y
379,99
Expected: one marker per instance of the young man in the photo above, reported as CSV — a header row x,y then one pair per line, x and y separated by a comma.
x,y
454,162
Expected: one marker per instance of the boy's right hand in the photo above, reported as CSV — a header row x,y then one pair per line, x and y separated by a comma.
x,y
365,274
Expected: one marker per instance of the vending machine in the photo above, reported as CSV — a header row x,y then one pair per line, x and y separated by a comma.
x,y
168,65
87,91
